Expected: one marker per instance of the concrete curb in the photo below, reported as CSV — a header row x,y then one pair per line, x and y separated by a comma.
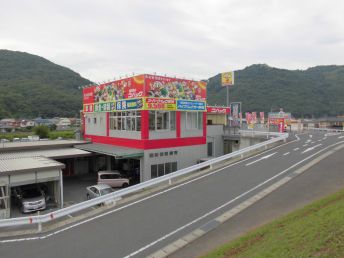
x,y
212,224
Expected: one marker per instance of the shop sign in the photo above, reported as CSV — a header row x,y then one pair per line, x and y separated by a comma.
x,y
129,104
191,105
160,104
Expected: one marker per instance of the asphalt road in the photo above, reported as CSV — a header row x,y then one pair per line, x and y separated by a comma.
x,y
143,227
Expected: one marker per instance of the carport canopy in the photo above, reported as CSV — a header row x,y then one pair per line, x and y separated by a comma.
x,y
48,153
116,151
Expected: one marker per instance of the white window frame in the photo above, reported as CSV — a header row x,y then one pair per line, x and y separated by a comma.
x,y
169,120
133,116
199,121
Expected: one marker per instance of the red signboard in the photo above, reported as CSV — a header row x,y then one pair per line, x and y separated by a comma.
x,y
218,110
166,87
128,88
146,86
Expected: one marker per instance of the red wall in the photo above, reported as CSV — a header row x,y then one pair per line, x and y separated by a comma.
x,y
144,142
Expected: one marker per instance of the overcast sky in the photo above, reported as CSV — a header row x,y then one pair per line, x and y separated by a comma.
x,y
191,38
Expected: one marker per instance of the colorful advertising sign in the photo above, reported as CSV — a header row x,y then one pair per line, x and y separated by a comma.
x,y
165,87
191,105
227,79
122,89
254,117
218,110
160,104
129,104
104,107
262,119
235,109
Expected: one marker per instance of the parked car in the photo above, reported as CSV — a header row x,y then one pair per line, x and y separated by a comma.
x,y
112,178
30,198
95,191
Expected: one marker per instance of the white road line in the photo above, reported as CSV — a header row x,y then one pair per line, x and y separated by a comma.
x,y
265,157
70,216
340,137
286,153
312,142
296,149
319,140
142,200
305,145
311,148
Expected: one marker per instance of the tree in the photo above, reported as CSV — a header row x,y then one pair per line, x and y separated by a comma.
x,y
42,131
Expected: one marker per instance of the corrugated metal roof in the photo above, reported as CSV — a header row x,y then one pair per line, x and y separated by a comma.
x,y
8,146
52,153
28,164
111,150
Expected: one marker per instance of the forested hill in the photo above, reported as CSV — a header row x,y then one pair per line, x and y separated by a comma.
x,y
317,91
32,86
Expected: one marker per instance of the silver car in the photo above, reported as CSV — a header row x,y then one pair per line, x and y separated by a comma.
x,y
95,191
31,199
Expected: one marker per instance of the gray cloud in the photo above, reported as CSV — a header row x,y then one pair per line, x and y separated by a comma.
x,y
193,39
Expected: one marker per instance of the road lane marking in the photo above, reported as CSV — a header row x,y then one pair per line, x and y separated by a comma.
x,y
262,158
319,140
305,145
340,137
311,148
296,149
286,153
312,142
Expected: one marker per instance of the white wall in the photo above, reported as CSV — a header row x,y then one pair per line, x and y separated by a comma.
x,y
184,132
185,157
98,128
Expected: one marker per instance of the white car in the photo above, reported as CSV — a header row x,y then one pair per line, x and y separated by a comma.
x,y
95,191
112,178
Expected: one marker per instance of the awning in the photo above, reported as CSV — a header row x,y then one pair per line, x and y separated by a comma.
x,y
59,153
28,164
111,150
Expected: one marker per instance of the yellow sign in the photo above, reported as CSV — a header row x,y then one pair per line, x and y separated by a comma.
x,y
227,79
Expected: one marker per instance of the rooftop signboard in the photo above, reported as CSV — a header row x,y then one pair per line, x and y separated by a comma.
x,y
146,92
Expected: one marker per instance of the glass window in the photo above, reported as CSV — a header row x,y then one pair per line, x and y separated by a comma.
x,y
151,120
94,120
174,166
126,120
161,169
154,171
173,120
168,168
162,120
210,149
194,120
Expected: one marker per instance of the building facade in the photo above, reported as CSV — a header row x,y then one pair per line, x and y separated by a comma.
x,y
162,116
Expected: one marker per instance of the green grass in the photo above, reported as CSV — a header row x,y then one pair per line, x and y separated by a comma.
x,y
52,135
314,231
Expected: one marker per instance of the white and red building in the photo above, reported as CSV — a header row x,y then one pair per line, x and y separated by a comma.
x,y
157,124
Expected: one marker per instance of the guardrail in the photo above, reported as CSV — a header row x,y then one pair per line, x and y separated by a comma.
x,y
255,133
39,219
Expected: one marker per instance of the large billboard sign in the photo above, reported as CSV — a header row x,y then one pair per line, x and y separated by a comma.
x,y
149,92
227,79
166,87
128,88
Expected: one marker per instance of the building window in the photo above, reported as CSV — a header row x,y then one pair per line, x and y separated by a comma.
x,y
88,120
94,120
210,149
163,169
125,121
162,120
194,120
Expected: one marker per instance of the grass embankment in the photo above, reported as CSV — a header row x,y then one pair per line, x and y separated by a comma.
x,y
314,231
52,135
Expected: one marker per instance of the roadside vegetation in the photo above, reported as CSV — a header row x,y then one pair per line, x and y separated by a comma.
x,y
314,231
42,132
